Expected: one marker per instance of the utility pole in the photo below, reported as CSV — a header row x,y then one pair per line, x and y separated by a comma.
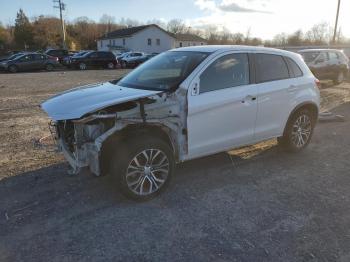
x,y
336,23
62,7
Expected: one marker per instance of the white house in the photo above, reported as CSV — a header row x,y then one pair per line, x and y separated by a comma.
x,y
147,38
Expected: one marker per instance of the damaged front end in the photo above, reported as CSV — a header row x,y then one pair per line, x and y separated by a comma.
x,y
83,140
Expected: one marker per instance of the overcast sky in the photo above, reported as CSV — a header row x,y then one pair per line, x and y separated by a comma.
x,y
265,18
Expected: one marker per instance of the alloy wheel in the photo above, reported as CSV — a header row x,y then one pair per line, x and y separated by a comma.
x,y
82,66
110,65
147,172
301,131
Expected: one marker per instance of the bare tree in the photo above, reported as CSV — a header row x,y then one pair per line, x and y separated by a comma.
x,y
280,40
318,34
176,26
127,22
108,21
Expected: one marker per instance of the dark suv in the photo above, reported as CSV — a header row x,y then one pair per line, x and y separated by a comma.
x,y
327,63
94,59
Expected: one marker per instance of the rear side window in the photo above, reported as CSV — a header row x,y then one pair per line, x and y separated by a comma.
x,y
270,68
294,69
227,71
333,56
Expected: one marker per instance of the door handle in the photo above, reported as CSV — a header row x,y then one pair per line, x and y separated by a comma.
x,y
249,97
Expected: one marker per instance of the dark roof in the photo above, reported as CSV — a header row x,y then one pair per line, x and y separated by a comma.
x,y
189,37
126,32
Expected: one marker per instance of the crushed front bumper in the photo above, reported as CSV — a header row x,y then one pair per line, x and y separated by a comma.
x,y
86,155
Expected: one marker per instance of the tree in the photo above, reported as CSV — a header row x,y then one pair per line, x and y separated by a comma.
x,y
23,33
5,37
46,32
280,40
295,39
108,21
177,26
318,34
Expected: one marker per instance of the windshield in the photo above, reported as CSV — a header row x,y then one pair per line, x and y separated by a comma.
x,y
164,72
309,56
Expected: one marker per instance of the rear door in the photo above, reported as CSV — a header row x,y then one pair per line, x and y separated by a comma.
x,y
38,61
274,94
222,114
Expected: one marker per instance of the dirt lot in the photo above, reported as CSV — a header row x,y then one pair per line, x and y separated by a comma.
x,y
264,205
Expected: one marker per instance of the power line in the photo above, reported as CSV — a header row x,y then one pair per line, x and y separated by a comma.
x,y
61,6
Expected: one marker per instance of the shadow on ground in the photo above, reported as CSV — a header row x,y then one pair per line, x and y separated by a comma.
x,y
272,207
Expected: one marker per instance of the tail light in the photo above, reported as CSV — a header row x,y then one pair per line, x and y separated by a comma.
x,y
318,83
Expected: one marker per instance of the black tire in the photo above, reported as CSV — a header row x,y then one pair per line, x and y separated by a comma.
x,y
110,65
339,78
49,67
124,65
13,69
122,167
291,139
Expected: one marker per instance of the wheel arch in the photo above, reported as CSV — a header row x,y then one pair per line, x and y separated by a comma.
x,y
305,105
117,139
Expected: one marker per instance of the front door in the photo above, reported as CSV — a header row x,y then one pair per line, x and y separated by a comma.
x,y
222,106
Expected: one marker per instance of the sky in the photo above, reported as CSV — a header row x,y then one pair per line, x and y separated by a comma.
x,y
264,18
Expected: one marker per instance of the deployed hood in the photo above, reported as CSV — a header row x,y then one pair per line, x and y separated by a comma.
x,y
77,102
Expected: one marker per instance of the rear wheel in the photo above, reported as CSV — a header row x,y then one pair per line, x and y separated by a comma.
x,y
13,69
298,132
123,64
143,167
339,79
49,67
110,65
82,66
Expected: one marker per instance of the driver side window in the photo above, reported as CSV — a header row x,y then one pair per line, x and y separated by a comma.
x,y
227,71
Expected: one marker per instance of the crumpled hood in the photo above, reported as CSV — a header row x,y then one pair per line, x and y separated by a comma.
x,y
77,102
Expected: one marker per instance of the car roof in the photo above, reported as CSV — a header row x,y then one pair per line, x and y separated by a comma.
x,y
223,48
318,50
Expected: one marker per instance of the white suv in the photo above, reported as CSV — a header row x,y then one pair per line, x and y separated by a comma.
x,y
184,104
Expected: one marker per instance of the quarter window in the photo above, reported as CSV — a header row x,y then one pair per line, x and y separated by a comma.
x,y
227,71
294,69
270,68
333,56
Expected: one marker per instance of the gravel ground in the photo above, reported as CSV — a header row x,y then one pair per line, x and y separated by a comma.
x,y
260,204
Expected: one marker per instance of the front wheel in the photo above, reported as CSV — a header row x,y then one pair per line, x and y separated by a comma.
x,y
13,69
143,167
298,131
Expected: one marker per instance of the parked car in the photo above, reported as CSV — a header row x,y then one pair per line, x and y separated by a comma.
x,y
11,57
59,53
30,62
327,63
67,60
95,59
123,60
184,104
135,61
